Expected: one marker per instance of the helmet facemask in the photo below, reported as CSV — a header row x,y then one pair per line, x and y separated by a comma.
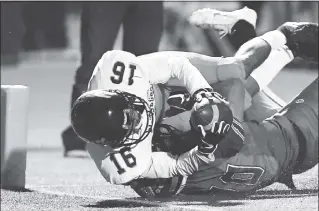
x,y
132,121
138,120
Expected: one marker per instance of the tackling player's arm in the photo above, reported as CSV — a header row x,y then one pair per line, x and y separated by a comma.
x,y
165,165
163,67
213,69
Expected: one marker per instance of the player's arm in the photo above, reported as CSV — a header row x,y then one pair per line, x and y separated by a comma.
x,y
164,66
165,165
208,66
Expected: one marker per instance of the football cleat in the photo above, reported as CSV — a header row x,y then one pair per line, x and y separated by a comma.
x,y
302,39
222,21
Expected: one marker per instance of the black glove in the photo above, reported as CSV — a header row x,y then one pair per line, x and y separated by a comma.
x,y
179,102
211,138
203,96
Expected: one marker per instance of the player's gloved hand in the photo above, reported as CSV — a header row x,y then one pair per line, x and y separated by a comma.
x,y
179,102
211,138
202,97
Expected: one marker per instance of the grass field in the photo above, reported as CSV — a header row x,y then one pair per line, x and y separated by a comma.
x,y
57,183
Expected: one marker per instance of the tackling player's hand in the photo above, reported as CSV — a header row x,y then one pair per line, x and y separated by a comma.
x,y
211,138
202,97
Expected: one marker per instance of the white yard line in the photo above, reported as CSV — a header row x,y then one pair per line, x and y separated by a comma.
x,y
64,186
60,193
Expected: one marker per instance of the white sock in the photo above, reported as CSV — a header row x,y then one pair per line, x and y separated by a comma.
x,y
267,71
275,39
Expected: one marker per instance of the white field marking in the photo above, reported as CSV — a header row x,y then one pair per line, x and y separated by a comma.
x,y
65,186
59,193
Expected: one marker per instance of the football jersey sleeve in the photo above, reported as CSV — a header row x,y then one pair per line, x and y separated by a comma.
x,y
165,165
164,65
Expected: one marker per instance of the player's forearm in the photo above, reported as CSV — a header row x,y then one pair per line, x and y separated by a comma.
x,y
165,165
210,67
166,65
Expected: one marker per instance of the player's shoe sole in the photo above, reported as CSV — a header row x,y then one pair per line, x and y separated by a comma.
x,y
221,21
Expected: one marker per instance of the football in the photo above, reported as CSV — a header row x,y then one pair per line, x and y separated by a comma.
x,y
209,113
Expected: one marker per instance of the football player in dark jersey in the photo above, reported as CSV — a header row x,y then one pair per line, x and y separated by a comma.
x,y
271,150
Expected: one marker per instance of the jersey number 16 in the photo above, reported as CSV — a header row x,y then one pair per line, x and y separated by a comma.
x,y
119,70
129,159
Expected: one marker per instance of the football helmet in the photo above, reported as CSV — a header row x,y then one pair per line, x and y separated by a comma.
x,y
111,117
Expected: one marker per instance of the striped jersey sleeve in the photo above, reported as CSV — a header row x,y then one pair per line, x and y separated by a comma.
x,y
238,130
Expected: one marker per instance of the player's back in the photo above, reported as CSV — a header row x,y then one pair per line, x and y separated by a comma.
x,y
259,163
121,70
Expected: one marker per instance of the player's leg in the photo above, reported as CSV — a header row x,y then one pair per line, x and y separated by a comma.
x,y
303,113
220,69
264,104
290,40
298,36
224,22
143,26
271,51
240,26
100,22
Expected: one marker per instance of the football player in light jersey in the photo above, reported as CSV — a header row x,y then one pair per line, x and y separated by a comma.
x,y
270,151
117,116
